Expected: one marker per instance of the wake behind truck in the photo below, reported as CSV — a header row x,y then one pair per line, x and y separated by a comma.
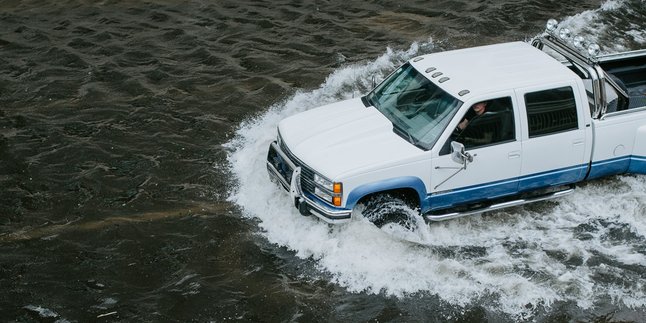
x,y
555,114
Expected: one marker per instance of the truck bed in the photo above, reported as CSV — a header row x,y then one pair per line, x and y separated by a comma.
x,y
630,74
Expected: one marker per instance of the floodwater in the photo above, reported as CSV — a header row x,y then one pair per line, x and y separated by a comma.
x,y
133,184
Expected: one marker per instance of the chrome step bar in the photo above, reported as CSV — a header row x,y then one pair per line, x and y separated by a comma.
x,y
453,215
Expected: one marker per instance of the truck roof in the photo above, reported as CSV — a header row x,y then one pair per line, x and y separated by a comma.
x,y
492,68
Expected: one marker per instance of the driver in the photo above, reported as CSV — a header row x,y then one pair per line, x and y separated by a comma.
x,y
476,110
472,137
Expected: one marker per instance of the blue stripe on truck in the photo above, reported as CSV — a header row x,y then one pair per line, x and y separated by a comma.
x,y
609,167
474,193
560,176
505,187
637,165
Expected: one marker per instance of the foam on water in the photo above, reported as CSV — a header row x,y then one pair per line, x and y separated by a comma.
x,y
600,25
585,248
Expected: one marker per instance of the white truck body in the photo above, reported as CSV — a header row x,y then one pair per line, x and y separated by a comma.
x,y
551,124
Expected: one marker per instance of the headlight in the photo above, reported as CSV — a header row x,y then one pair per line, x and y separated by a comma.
x,y
552,24
328,190
593,49
578,42
565,34
323,194
323,182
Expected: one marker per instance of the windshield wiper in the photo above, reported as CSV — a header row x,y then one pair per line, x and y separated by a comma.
x,y
405,134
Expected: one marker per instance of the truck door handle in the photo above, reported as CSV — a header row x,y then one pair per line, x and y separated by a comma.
x,y
578,142
514,154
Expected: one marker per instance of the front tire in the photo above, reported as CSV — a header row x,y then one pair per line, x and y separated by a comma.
x,y
385,209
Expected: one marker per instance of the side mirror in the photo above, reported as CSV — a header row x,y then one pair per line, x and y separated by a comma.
x,y
459,155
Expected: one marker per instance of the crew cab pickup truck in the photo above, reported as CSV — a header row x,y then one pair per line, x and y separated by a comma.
x,y
556,115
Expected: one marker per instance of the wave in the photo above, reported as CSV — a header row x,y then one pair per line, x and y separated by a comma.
x,y
617,25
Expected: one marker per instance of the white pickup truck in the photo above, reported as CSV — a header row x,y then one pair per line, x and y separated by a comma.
x,y
550,121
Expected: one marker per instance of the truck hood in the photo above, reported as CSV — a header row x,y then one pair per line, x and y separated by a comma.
x,y
344,138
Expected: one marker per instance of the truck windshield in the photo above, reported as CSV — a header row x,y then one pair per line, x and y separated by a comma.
x,y
418,109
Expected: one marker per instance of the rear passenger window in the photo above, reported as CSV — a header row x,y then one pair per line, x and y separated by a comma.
x,y
551,111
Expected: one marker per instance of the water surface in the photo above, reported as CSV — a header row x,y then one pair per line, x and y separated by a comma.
x,y
132,139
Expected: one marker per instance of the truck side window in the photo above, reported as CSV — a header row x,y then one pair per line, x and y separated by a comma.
x,y
496,125
615,101
551,111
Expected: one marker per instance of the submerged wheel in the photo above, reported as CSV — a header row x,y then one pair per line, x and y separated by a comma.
x,y
385,209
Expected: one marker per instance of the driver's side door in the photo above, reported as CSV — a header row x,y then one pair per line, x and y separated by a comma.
x,y
496,164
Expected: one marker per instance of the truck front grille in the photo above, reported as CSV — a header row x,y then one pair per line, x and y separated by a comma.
x,y
307,174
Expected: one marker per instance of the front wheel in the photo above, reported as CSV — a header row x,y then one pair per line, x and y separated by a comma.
x,y
385,209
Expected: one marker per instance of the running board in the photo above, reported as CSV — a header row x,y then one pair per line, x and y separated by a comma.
x,y
453,215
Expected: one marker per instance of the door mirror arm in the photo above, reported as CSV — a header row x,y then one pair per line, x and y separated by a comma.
x,y
460,156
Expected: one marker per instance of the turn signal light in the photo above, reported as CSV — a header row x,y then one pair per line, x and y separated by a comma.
x,y
336,200
338,188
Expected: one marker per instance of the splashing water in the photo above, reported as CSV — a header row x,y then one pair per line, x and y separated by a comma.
x,y
604,25
586,248
255,194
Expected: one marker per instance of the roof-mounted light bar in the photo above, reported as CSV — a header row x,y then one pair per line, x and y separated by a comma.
x,y
578,43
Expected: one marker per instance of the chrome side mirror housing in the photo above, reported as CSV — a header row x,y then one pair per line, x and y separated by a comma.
x,y
459,155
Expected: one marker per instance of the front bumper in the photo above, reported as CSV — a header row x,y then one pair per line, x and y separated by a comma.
x,y
288,174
